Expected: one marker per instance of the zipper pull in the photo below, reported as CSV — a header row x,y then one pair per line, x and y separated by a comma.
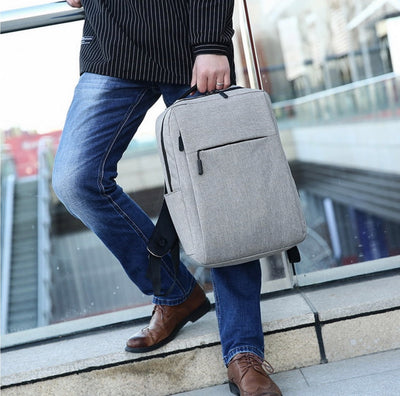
x,y
180,143
199,163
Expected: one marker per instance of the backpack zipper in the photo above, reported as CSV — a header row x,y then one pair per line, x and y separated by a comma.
x,y
164,153
180,142
200,162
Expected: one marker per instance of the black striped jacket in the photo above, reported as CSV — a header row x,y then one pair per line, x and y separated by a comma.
x,y
154,40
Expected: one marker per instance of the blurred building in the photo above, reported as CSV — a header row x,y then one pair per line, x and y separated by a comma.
x,y
309,46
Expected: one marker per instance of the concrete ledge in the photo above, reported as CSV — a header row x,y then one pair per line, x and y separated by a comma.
x,y
362,335
349,298
302,328
158,376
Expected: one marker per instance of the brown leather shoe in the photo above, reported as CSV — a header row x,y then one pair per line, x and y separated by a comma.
x,y
248,376
166,321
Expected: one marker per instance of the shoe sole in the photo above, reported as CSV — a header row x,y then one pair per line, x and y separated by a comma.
x,y
234,388
236,391
193,317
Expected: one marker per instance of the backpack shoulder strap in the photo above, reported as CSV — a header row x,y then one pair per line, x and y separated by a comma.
x,y
293,255
163,241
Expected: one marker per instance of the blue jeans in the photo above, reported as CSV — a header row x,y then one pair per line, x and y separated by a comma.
x,y
103,118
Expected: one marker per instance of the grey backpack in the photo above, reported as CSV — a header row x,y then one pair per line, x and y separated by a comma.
x,y
229,190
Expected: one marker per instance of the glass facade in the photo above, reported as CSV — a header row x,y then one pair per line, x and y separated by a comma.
x,y
336,93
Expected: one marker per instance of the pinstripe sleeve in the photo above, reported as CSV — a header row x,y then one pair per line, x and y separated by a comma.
x,y
211,27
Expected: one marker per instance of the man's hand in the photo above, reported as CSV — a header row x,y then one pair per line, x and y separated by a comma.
x,y
211,72
75,3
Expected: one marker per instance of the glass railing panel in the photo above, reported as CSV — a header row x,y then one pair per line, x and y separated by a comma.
x,y
73,276
352,184
338,110
348,181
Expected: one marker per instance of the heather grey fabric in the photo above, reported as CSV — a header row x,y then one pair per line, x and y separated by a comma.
x,y
242,204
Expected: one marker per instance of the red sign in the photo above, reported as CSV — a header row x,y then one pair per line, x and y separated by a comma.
x,y
24,151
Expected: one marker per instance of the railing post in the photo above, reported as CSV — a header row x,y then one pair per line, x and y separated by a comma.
x,y
44,244
7,228
249,47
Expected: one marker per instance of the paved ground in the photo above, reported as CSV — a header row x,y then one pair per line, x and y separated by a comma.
x,y
375,374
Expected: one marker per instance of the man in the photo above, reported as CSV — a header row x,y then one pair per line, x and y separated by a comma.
x,y
132,52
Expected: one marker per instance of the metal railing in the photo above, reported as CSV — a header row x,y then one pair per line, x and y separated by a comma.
x,y
39,16
7,228
360,98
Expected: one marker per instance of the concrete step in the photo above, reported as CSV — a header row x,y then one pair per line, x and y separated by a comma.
x,y
302,329
369,375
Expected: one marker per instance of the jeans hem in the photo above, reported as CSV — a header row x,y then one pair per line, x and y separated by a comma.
x,y
242,349
176,301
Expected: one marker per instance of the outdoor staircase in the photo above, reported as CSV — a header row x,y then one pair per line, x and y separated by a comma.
x,y
22,305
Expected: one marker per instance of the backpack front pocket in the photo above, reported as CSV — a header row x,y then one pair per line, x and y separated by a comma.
x,y
241,193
